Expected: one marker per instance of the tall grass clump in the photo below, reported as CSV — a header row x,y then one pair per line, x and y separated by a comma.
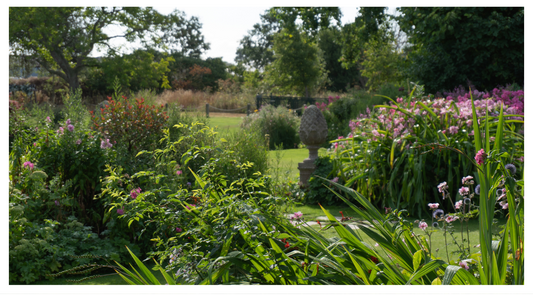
x,y
279,123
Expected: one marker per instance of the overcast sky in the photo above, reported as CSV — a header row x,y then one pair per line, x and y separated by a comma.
x,y
223,27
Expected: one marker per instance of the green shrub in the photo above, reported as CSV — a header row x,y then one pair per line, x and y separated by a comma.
x,y
319,191
279,123
43,246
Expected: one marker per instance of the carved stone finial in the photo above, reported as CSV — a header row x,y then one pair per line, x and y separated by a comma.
x,y
313,132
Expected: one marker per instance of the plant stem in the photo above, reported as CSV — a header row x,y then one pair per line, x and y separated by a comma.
x,y
446,243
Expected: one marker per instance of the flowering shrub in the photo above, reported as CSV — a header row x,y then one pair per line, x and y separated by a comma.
x,y
397,144
134,126
279,123
73,155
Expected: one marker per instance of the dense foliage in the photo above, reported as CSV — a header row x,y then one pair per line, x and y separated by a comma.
x,y
483,46
390,150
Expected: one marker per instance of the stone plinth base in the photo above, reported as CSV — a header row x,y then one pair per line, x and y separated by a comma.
x,y
307,167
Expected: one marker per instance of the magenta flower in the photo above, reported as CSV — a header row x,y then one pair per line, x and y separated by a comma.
x,y
480,157
56,202
70,127
28,164
458,204
464,191
78,141
60,130
48,119
433,206
192,205
335,180
178,229
120,211
179,172
68,121
422,225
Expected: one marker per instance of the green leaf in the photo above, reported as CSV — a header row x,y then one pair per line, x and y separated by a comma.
x,y
417,258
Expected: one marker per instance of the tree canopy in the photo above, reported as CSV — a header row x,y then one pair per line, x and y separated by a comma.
x,y
454,46
61,39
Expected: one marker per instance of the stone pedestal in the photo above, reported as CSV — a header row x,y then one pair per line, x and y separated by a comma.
x,y
313,132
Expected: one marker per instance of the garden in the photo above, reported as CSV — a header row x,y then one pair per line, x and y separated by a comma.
x,y
117,176
93,190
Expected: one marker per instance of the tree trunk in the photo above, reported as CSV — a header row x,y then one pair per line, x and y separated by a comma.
x,y
69,74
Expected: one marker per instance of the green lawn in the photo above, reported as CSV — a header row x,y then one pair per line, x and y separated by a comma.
x,y
226,124
438,241
110,277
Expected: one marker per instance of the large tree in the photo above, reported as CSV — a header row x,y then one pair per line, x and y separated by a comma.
x,y
298,65
457,45
61,39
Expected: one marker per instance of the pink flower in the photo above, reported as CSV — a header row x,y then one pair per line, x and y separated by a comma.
x,y
468,180
480,157
56,202
458,204
105,144
297,215
463,191
48,119
120,211
70,127
335,180
179,172
192,205
60,130
454,130
34,144
78,141
28,164
442,186
450,219
422,225
399,100
464,264
433,205
178,229
135,192
68,121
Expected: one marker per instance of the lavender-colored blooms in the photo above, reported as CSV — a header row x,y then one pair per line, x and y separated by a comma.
x,y
120,211
511,168
454,129
68,121
477,190
70,127
438,214
78,141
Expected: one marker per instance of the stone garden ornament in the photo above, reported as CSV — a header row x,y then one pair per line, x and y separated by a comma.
x,y
313,132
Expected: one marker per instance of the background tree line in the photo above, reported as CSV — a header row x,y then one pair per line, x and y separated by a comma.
x,y
293,50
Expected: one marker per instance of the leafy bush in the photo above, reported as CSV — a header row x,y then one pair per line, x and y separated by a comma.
x,y
319,191
279,123
75,155
392,149
133,126
40,247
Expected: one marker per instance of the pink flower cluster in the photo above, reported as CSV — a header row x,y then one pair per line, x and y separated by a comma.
x,y
28,165
135,192
296,216
105,144
480,157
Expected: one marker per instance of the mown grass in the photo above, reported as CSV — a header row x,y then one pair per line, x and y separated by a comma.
x,y
438,241
225,125
110,277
